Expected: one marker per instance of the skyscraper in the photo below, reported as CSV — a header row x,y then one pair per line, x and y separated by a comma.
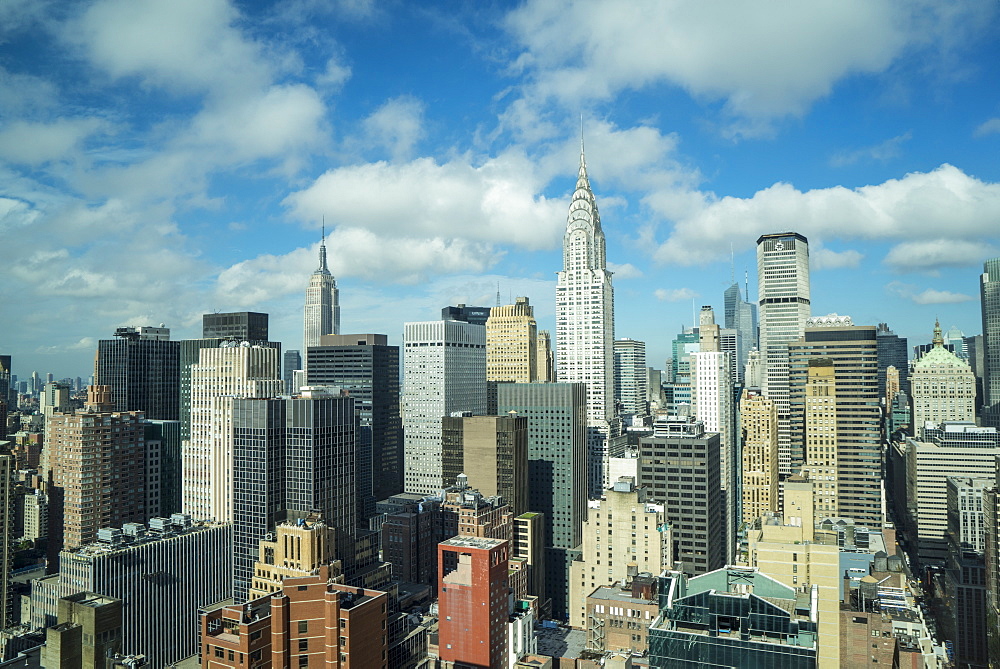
x,y
291,457
221,375
8,469
512,343
759,425
783,291
990,294
741,316
585,321
853,445
492,451
322,310
557,464
892,353
712,392
142,367
367,368
630,376
444,370
291,361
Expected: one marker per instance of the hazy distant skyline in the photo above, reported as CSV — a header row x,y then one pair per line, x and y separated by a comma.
x,y
159,160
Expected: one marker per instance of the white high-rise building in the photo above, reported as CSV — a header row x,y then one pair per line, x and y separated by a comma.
x,y
221,375
322,311
585,323
712,394
444,371
630,376
783,289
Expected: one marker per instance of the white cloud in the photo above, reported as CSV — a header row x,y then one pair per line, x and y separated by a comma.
x,y
624,271
990,127
334,76
396,126
914,207
823,258
494,202
880,152
185,45
927,296
765,59
674,294
32,144
934,254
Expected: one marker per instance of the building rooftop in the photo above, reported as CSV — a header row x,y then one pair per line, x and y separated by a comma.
x,y
133,535
614,593
473,542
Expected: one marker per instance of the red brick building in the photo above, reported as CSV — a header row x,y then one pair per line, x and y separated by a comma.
x,y
472,602
310,622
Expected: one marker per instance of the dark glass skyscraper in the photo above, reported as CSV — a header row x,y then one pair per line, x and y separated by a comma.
x,y
368,368
990,294
242,325
557,471
292,457
142,367
891,352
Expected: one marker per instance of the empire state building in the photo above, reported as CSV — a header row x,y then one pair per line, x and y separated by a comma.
x,y
322,312
585,323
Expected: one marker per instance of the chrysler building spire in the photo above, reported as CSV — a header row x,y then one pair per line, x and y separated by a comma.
x,y
585,330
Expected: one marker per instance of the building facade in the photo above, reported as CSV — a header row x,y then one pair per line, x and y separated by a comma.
x,y
630,376
444,370
239,325
680,469
585,321
855,440
472,603
492,451
557,464
142,367
759,427
624,535
223,374
366,367
512,343
943,388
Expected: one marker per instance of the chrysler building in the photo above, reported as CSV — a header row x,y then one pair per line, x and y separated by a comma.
x,y
322,312
585,324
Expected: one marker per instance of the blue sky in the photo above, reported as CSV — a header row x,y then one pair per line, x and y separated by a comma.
x,y
163,160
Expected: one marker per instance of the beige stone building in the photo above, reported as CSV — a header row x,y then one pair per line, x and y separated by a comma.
x,y
624,534
789,551
759,424
820,438
296,550
943,387
512,343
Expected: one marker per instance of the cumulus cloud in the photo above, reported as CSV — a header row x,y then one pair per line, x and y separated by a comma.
x,y
495,201
184,45
927,296
934,254
914,207
589,49
674,294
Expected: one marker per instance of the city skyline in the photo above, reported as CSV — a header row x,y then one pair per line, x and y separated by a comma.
x,y
146,181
